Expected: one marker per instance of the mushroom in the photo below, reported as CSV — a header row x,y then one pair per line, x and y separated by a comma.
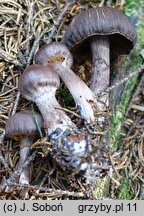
x,y
22,127
58,56
38,83
100,33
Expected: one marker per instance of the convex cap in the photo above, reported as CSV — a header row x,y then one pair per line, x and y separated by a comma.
x,y
35,81
54,52
22,124
100,21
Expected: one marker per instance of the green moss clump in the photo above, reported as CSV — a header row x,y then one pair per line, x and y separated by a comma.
x,y
125,192
65,98
117,119
101,189
134,10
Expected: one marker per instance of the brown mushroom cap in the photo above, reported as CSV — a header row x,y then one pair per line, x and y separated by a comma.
x,y
22,124
100,21
54,52
35,81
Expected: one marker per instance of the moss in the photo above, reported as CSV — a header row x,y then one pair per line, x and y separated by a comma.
x,y
120,111
134,10
64,97
101,189
125,192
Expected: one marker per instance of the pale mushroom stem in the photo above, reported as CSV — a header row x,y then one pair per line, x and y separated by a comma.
x,y
69,145
83,96
25,150
100,67
54,118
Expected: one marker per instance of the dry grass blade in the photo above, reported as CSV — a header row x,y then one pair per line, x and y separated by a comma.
x,y
2,159
9,58
69,111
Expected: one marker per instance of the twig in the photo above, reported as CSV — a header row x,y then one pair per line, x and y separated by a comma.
x,y
59,20
101,3
49,191
134,95
139,70
53,33
118,175
94,132
69,111
2,159
16,173
42,182
35,44
29,24
12,59
137,107
16,103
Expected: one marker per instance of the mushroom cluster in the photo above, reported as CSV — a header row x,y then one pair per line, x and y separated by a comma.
x,y
60,59
100,34
38,83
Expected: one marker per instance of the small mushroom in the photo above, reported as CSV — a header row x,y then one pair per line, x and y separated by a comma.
x,y
38,83
100,34
22,127
58,56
